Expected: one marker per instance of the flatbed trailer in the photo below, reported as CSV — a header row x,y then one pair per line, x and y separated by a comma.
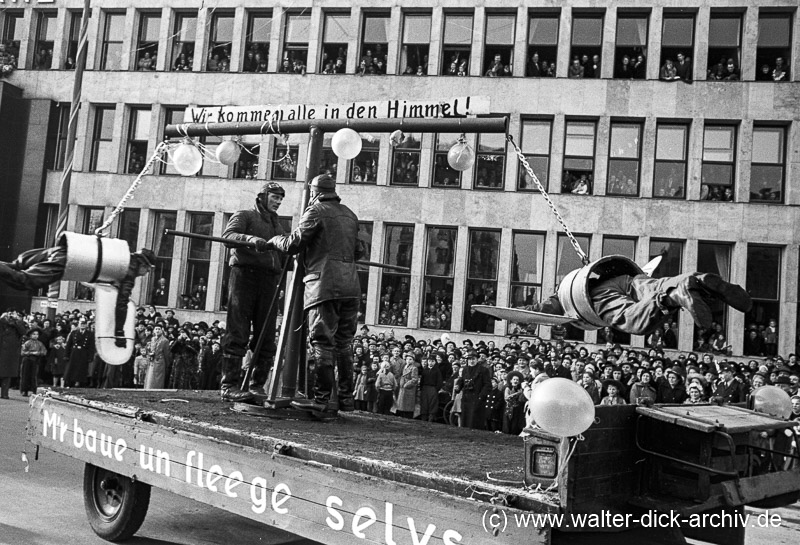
x,y
385,480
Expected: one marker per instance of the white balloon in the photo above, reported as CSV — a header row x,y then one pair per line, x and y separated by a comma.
x,y
187,159
346,143
562,407
228,152
461,156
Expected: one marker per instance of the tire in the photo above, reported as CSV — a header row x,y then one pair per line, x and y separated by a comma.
x,y
115,505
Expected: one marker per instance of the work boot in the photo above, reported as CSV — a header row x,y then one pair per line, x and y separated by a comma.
x,y
229,389
689,296
344,382
324,384
259,376
733,294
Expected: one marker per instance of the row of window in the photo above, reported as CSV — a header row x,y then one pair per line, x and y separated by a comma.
x,y
340,31
481,273
577,175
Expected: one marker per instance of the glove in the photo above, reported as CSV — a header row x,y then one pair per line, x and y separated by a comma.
x,y
261,244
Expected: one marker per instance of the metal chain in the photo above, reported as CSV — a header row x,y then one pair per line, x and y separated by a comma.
x,y
572,239
160,149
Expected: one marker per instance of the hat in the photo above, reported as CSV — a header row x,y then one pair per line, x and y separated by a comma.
x,y
612,382
272,187
782,380
149,256
323,183
470,354
726,367
675,370
694,386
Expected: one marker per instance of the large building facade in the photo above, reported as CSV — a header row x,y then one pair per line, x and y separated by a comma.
x,y
697,160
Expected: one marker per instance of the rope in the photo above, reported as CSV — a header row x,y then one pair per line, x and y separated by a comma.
x,y
540,187
100,231
565,462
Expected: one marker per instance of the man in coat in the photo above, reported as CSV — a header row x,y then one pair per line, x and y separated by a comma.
x,y
728,388
476,383
80,351
12,329
255,274
328,232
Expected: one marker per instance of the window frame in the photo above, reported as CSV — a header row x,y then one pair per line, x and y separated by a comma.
x,y
427,293
470,280
180,46
133,143
45,18
549,49
567,123
395,277
99,113
104,54
784,132
440,155
194,266
732,163
522,174
252,16
292,51
214,45
405,46
685,162
523,329
449,48
638,160
505,50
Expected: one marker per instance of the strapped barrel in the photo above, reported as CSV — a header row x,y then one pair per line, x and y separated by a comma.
x,y
574,289
91,258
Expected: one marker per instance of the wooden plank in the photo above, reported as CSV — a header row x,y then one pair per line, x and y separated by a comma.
x,y
753,489
709,417
466,488
312,500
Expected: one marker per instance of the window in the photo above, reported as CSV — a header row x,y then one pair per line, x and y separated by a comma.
x,y
542,45
456,44
74,38
587,44
484,249
405,163
164,245
46,233
374,44
13,29
719,157
443,174
57,135
172,116
184,36
219,42
364,168
416,44
284,158
774,46
631,43
677,38
763,285
440,261
671,252
295,43
527,261
128,227
713,258
624,157
329,163
578,173
103,157
45,40
767,168
490,161
212,168
259,31
92,220
365,237
147,48
535,145
498,54
395,286
195,283
625,247
138,135
567,260
247,165
724,46
111,58
669,178
336,37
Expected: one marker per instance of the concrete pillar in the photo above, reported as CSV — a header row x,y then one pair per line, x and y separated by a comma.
x,y
744,155
478,41
520,43
787,326
556,154
700,60
792,191
163,59
26,43
647,161
94,29
654,31
794,69
237,47
373,289
601,150
314,40
276,39
736,322
512,163
749,44
564,42
460,278
394,37
503,276
139,294
179,250
695,159
128,54
417,275
426,159
216,264
685,322
435,50
201,38
609,42
60,45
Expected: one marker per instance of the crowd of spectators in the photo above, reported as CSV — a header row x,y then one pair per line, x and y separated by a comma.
x,y
540,68
779,72
184,61
478,384
8,59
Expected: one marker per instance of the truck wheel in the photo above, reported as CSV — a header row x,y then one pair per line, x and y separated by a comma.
x,y
115,505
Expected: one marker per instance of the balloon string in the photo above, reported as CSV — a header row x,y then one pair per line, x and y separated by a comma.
x,y
565,462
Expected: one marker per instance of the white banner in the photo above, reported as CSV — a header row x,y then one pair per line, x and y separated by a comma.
x,y
382,109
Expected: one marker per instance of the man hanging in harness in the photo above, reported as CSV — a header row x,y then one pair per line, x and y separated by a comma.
x,y
38,268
